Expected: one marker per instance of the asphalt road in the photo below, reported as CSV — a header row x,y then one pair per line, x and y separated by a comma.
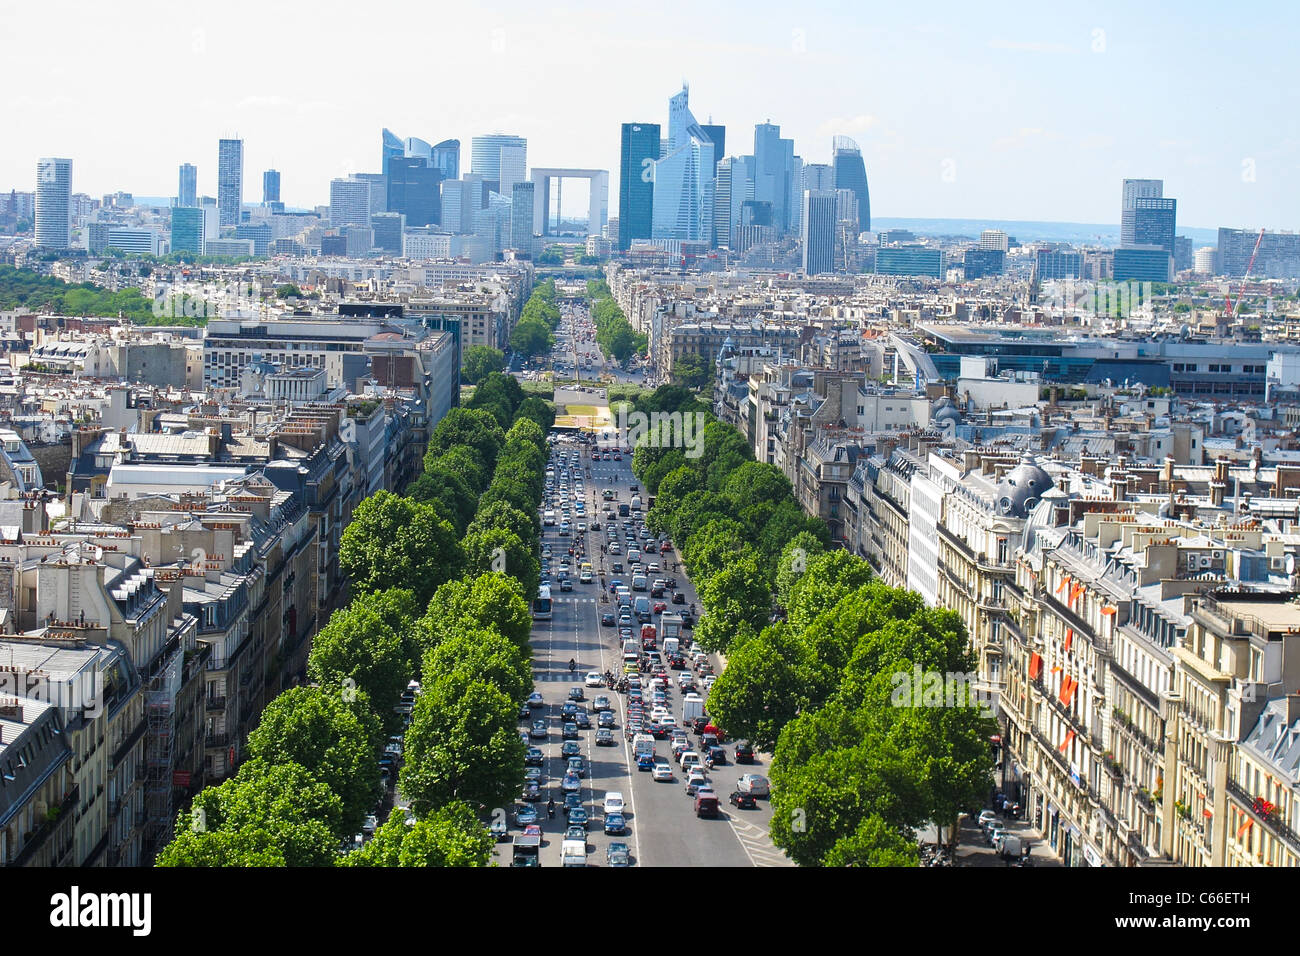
x,y
663,828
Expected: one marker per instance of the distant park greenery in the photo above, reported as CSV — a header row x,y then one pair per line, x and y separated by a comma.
x,y
24,289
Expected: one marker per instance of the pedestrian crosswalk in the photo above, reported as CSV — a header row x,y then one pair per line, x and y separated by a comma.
x,y
758,844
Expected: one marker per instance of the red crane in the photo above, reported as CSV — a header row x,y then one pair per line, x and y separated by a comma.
x,y
1249,265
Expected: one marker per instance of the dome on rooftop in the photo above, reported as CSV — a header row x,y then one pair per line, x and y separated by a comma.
x,y
1021,489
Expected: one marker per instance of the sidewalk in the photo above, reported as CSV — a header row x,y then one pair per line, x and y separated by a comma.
x,y
974,850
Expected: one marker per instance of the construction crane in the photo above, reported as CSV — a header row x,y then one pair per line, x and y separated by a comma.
x,y
1228,303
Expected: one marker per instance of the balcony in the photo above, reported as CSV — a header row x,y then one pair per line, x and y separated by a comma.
x,y
36,839
215,704
1272,820
216,740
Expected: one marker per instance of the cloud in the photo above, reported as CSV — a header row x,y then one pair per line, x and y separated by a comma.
x,y
1022,46
857,124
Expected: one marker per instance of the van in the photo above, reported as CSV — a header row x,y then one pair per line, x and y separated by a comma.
x,y
633,555
548,518
574,852
631,647
706,805
638,582
671,646
642,608
622,510
643,744
636,502
692,708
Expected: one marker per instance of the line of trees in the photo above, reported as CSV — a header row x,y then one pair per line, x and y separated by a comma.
x,y
534,333
442,581
855,769
614,334
24,289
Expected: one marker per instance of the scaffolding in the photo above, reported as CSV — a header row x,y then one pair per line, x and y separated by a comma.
x,y
160,734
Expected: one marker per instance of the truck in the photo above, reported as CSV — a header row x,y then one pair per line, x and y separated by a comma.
x,y
631,647
643,744
649,637
527,847
670,625
573,853
692,707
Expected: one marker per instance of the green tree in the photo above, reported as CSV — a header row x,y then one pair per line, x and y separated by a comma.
x,y
450,837
737,595
483,654
499,514
538,410
486,551
472,427
316,729
691,371
395,542
442,483
763,687
793,564
264,816
462,745
532,336
490,601
478,361
288,291
359,648
873,843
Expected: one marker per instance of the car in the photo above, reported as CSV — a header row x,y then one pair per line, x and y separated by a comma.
x,y
575,832
525,816
571,802
608,619
570,731
566,584
987,817
606,720
696,780
525,712
658,607
605,737
532,791
678,597
717,756
538,730
533,773
499,829
663,772
578,765
613,802
755,784
743,801
706,803
570,748
578,816
744,752
571,783
615,824
594,679
569,709
534,757
617,854
582,719
370,824
645,761
535,700
601,703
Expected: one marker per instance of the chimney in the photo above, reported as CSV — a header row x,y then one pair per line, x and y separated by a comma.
x,y
11,710
1167,475
1219,486
1292,709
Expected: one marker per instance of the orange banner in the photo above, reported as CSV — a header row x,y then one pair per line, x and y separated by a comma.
x,y
1069,735
1035,666
1069,639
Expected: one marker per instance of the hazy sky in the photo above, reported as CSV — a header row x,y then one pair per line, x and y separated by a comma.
x,y
963,110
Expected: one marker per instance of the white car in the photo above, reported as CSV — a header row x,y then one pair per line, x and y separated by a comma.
x,y
663,771
613,802
594,679
755,784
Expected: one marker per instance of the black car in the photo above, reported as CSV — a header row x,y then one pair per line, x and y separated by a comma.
x,y
525,712
582,719
605,738
570,731
672,584
569,709
743,801
570,748
744,752
679,598
538,731
534,757
605,720
608,619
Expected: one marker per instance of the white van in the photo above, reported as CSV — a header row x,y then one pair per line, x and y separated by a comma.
x,y
638,582
574,853
548,518
643,744
636,502
692,707
633,555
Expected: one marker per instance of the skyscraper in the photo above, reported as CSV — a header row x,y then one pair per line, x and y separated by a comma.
x,y
818,176
818,232
1135,189
849,172
774,180
349,202
413,190
1155,223
521,216
513,168
230,180
445,157
378,190
187,193
683,191
636,188
270,186
54,203
485,156
390,148
187,230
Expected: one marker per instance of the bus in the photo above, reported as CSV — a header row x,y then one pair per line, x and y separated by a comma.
x,y
542,604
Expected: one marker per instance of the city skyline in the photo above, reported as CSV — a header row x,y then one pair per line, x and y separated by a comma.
x,y
937,142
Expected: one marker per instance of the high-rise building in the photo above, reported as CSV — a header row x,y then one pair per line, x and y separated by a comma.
x,y
1058,264
485,157
1183,253
261,234
521,216
187,233
639,150
774,171
413,190
683,190
722,203
387,228
910,261
817,220
390,148
349,202
187,193
818,177
270,186
849,172
53,203
1143,263
230,180
1204,260
994,239
984,261
1135,189
1278,256
513,168
1154,223
445,157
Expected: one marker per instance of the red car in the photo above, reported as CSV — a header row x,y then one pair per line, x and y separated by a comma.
x,y
660,607
665,547
617,456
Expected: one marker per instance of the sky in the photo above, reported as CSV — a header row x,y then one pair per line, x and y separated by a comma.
x,y
1020,111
